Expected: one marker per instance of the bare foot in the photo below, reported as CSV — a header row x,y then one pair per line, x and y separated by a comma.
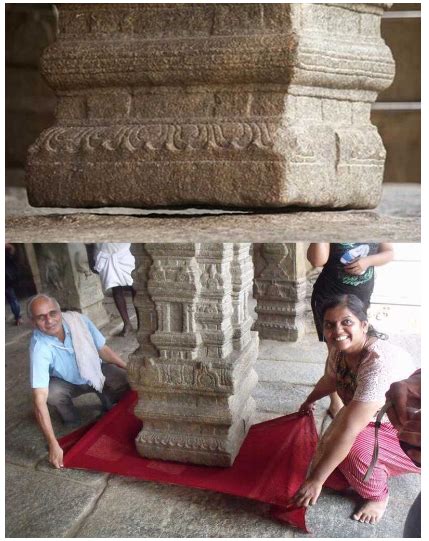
x,y
371,511
18,321
126,330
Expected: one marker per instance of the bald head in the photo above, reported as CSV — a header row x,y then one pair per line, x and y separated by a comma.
x,y
34,301
45,314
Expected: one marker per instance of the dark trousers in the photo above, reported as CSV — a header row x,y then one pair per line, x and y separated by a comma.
x,y
13,302
413,524
62,392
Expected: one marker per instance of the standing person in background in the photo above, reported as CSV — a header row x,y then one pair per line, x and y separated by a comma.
x,y
11,272
348,268
114,262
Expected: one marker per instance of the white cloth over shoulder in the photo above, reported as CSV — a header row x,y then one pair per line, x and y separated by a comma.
x,y
114,262
87,357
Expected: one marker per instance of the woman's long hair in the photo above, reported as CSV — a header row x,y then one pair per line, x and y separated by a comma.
x,y
356,307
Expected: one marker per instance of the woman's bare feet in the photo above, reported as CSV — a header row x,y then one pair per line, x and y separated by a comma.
x,y
371,511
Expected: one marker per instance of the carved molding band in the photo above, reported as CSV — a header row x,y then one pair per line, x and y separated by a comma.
x,y
155,137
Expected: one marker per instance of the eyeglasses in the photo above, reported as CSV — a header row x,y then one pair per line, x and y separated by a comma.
x,y
44,317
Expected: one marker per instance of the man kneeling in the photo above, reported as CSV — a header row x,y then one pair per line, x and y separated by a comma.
x,y
66,354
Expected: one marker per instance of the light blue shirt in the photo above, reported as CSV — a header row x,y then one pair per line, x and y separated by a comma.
x,y
51,357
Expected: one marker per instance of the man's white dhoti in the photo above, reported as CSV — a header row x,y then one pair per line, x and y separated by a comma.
x,y
114,262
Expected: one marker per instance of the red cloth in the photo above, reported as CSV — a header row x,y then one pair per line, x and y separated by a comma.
x,y
270,467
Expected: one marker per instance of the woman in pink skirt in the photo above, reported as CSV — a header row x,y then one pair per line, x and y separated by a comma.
x,y
361,368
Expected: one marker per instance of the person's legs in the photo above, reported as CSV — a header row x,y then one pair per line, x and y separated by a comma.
x,y
391,461
115,385
121,305
134,293
60,396
14,304
413,524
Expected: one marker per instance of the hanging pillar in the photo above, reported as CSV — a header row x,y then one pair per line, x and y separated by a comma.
x,y
65,274
239,105
280,288
194,391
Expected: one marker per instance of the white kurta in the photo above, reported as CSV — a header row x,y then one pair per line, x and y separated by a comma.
x,y
114,262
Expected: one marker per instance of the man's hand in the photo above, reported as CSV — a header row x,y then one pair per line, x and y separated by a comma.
x,y
109,356
308,493
56,455
357,267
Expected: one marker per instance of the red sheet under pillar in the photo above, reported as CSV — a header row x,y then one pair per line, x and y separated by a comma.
x,y
270,467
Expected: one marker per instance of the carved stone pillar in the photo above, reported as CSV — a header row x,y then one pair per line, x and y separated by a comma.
x,y
65,274
312,275
280,288
255,105
30,103
194,392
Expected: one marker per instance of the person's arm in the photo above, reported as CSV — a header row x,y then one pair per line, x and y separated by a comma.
x,y
404,413
318,253
40,405
346,426
325,386
109,356
384,255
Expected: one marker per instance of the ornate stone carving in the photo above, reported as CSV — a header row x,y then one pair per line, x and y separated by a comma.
x,y
65,274
219,104
195,377
280,290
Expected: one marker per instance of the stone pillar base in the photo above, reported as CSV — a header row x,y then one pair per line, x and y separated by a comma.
x,y
208,429
231,105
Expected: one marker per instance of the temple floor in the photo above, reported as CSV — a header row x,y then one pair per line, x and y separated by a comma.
x,y
43,502
397,218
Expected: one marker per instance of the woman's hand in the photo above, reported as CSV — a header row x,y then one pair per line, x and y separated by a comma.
x,y
306,408
357,267
308,493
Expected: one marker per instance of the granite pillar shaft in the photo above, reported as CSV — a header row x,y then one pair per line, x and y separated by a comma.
x,y
280,290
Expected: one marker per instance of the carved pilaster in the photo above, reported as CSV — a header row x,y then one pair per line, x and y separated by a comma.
x,y
143,304
280,288
256,105
194,393
65,274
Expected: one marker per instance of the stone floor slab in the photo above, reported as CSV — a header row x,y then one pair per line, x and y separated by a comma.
x,y
86,477
289,372
331,518
128,508
43,505
397,218
284,398
309,350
